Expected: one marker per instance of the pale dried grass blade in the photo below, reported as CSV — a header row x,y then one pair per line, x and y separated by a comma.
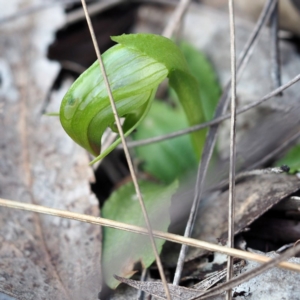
x,y
232,161
127,155
140,230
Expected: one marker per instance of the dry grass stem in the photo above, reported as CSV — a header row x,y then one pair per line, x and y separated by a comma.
x,y
216,120
232,160
94,8
274,44
127,155
250,274
140,230
170,29
211,140
270,11
256,172
175,20
283,146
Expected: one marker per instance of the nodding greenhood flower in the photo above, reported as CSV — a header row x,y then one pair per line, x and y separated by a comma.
x,y
135,67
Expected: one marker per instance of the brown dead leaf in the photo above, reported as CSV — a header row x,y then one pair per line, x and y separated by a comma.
x,y
156,289
254,197
41,257
285,289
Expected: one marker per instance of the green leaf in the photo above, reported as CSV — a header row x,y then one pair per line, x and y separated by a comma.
x,y
181,80
169,159
85,111
200,67
135,67
291,159
174,158
122,249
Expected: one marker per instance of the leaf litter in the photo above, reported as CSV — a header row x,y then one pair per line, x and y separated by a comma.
x,y
15,191
42,257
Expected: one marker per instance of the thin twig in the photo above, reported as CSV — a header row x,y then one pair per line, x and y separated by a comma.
x,y
214,277
97,7
211,137
285,145
94,8
127,155
176,18
76,15
250,274
215,121
144,231
34,9
140,293
257,172
232,161
72,66
275,53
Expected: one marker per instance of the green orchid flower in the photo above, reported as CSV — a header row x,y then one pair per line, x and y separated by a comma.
x,y
135,68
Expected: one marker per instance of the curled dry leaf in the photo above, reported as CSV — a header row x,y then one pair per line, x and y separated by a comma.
x,y
254,197
245,282
156,289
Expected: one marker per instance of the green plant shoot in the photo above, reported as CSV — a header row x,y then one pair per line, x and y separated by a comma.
x,y
135,67
121,250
